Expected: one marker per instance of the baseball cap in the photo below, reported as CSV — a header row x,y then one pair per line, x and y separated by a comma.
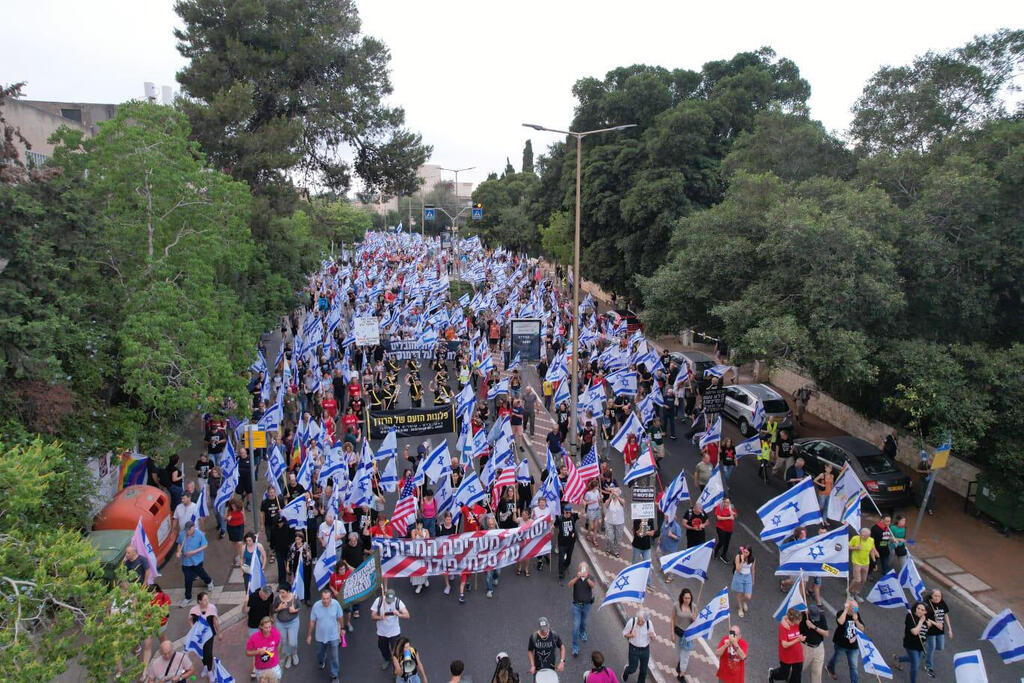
x,y
543,622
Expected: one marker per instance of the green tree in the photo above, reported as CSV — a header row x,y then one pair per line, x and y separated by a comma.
x,y
338,220
556,238
939,95
275,86
528,157
791,146
55,603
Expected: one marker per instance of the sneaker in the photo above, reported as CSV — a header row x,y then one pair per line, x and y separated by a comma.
x,y
295,660
724,561
350,629
184,603
426,583
538,565
447,589
322,665
210,586
490,594
770,679
575,651
625,676
334,680
931,673
583,636
419,589
496,582
287,663
462,599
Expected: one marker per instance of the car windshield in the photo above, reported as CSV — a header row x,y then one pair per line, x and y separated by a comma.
x,y
775,405
877,464
703,365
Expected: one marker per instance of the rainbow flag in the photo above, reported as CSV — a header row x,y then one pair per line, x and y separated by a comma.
x,y
133,469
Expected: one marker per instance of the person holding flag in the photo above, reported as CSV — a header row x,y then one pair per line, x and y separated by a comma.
x,y
915,630
848,624
207,611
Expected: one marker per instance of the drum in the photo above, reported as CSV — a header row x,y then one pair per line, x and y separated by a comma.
x,y
546,676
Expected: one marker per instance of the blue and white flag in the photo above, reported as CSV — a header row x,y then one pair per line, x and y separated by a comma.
x,y
751,446
851,515
674,494
713,492
470,491
226,491
887,592
717,370
295,513
691,563
871,657
643,467
825,555
631,426
785,513
968,667
304,477
202,504
335,466
646,409
794,600
502,425
1006,635
713,434
514,365
630,585
389,477
759,418
258,577
389,446
221,674
464,300
438,463
562,393
299,582
464,402
712,613
551,489
197,636
324,565
846,486
523,472
623,383
910,579
275,466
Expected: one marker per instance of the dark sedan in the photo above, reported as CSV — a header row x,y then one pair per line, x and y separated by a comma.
x,y
885,482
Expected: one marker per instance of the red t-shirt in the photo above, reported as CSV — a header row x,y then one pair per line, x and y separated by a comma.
x,y
385,531
337,581
731,669
235,518
630,452
794,653
354,390
349,421
712,450
161,599
330,407
723,524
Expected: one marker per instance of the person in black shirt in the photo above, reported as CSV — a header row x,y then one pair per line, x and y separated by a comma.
x,y
915,631
695,521
271,508
507,510
939,626
542,649
566,525
281,538
259,605
845,639
582,598
814,629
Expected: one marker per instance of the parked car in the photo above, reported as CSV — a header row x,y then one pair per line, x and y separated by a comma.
x,y
632,319
885,482
741,403
697,361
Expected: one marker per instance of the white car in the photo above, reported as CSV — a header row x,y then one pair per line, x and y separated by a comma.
x,y
741,403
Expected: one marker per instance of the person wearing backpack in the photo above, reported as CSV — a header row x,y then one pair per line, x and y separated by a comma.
x,y
406,660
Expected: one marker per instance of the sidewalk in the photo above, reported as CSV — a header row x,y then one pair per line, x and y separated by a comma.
x,y
959,552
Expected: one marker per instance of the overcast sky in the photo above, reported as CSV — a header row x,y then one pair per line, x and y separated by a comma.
x,y
468,73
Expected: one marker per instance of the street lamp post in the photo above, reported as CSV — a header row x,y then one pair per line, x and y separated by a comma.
x,y
574,389
456,171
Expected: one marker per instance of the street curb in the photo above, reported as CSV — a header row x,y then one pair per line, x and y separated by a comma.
x,y
982,609
619,609
232,617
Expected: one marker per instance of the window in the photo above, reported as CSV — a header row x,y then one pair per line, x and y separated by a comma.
x,y
35,159
72,114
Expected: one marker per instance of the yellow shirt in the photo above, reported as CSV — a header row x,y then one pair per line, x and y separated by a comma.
x,y
860,550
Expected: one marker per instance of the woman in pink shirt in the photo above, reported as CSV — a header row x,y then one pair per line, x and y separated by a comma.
x,y
599,673
263,646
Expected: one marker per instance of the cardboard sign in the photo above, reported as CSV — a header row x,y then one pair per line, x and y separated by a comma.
x,y
366,331
642,502
714,400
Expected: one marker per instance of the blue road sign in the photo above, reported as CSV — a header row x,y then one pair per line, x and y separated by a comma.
x,y
478,214
428,214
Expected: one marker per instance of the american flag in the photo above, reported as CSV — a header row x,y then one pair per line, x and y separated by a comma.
x,y
588,466
574,486
405,509
506,477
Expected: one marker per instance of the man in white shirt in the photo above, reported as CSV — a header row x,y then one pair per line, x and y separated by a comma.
x,y
185,512
386,612
638,631
324,531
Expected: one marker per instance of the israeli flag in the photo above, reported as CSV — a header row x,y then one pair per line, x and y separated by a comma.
x,y
691,563
643,467
888,593
295,513
272,418
623,383
646,409
717,370
846,486
334,464
713,434
257,578
389,446
226,491
464,401
552,490
751,446
631,426
630,585
562,393
202,504
827,555
500,388
795,508
514,365
324,565
676,493
851,515
439,463
470,491
197,636
910,579
713,613
871,657
305,473
275,466
794,600
1006,635
221,674
759,418
389,477
713,492
464,300
523,472
968,667
444,496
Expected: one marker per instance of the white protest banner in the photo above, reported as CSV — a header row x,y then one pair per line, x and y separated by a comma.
x,y
475,551
366,331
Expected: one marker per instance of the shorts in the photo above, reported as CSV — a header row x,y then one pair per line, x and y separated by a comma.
x,y
742,583
270,675
236,533
594,515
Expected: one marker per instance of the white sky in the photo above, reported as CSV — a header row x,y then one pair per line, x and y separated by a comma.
x,y
468,73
